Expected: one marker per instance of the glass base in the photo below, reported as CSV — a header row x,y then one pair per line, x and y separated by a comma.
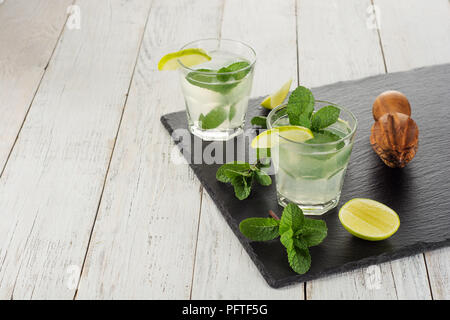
x,y
310,209
215,135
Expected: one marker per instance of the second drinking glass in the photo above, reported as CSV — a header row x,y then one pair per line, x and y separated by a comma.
x,y
217,92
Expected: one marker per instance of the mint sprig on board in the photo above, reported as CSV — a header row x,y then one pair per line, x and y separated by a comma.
x,y
296,233
242,175
259,121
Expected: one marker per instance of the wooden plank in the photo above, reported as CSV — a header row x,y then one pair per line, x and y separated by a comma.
x,y
335,44
29,31
51,187
414,33
223,269
144,241
411,38
439,273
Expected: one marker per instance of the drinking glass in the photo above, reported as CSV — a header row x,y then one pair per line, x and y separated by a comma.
x,y
217,99
311,175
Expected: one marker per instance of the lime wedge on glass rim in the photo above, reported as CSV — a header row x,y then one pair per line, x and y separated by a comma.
x,y
369,219
189,57
270,138
274,100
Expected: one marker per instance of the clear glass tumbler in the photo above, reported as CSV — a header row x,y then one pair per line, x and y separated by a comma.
x,y
217,92
312,175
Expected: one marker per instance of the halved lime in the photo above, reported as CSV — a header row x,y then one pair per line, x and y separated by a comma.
x,y
189,57
278,97
270,138
369,219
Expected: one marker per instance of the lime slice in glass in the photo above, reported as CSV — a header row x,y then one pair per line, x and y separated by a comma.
x,y
189,57
270,138
369,219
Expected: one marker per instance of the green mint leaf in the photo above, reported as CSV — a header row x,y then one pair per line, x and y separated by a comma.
x,y
201,75
242,186
201,78
260,229
313,231
287,239
223,173
232,112
300,243
214,118
300,107
299,257
259,121
291,218
323,136
263,178
324,117
304,120
227,71
223,77
238,66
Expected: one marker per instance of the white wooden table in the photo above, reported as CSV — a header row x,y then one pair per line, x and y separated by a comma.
x,y
91,205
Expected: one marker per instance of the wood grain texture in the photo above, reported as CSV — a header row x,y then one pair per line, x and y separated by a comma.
x,y
29,30
334,43
51,187
439,272
143,244
223,269
413,34
343,43
53,181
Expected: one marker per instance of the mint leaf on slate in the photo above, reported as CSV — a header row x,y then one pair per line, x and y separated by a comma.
x,y
300,107
259,229
299,257
242,186
324,117
297,233
223,175
287,239
313,232
214,118
292,218
241,176
259,121
263,178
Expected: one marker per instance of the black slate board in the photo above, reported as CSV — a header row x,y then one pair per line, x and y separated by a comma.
x,y
419,193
